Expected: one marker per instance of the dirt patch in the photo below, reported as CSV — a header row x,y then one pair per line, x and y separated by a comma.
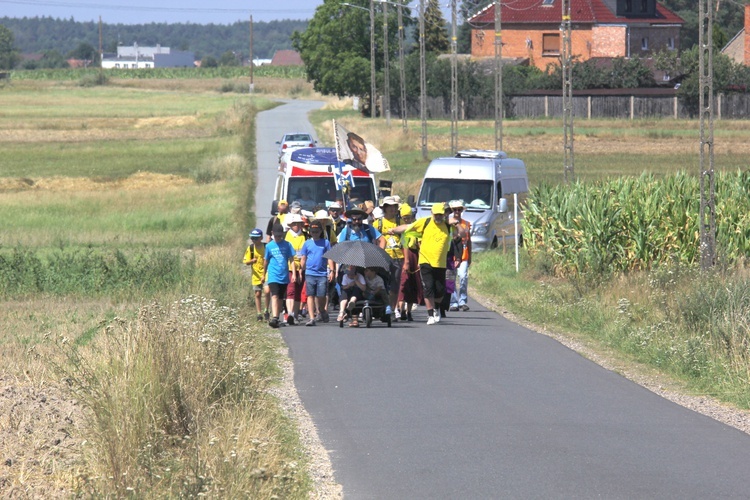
x,y
137,181
41,443
167,121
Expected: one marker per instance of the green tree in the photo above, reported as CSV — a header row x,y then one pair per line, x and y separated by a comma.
x,y
8,55
435,29
53,59
335,47
228,58
85,52
209,62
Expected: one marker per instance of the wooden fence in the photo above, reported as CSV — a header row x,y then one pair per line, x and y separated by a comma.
x,y
730,106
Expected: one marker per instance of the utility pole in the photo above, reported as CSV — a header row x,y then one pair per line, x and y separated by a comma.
x,y
454,80
373,89
708,181
402,70
386,71
101,52
567,87
252,84
498,78
422,80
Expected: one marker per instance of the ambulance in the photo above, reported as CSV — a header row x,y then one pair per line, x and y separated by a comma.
x,y
315,178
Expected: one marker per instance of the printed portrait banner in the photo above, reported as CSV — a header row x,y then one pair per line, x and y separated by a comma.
x,y
354,150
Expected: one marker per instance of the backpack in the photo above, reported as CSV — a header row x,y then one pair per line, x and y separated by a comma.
x,y
369,231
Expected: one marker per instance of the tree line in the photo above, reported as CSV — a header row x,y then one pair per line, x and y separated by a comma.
x,y
60,39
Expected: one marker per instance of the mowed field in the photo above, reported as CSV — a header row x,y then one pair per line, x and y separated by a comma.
x,y
145,188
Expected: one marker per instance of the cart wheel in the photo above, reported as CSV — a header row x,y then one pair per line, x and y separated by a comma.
x,y
368,316
389,320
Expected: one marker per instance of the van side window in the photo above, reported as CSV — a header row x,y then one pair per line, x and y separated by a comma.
x,y
499,191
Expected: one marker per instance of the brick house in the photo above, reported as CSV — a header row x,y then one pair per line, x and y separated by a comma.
x,y
600,28
738,47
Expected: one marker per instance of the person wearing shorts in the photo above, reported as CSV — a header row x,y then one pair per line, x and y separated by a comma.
x,y
254,254
279,257
318,273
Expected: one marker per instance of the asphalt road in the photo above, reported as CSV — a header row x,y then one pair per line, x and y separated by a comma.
x,y
479,407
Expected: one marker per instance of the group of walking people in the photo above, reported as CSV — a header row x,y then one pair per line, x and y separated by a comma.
x,y
430,261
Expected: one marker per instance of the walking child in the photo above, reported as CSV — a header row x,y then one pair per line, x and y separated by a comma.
x,y
254,256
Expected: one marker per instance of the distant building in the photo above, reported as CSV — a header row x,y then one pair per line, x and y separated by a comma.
x,y
600,29
136,57
287,58
738,48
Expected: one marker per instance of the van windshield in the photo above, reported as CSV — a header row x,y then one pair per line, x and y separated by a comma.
x,y
315,193
476,194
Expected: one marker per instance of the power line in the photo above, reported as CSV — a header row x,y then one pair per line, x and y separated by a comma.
x,y
150,8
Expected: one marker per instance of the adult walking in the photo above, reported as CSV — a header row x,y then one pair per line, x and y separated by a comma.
x,y
436,234
460,294
410,287
356,229
318,273
392,218
277,261
296,236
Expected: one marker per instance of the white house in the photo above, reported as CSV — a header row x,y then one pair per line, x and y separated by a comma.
x,y
136,57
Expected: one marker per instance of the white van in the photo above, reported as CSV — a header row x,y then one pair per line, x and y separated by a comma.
x,y
486,181
311,176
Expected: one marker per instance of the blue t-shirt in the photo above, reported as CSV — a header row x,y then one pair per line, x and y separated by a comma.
x,y
316,265
278,255
366,233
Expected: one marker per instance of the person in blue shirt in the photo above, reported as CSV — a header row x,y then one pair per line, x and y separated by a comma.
x,y
318,273
356,229
277,259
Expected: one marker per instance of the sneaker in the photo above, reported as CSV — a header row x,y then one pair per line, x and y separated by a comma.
x,y
464,307
437,317
409,317
432,320
266,316
325,317
453,308
260,317
289,319
397,315
318,318
388,310
311,322
273,323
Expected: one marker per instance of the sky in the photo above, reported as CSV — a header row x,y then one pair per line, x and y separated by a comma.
x,y
161,11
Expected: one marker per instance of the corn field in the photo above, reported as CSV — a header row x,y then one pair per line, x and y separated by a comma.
x,y
634,223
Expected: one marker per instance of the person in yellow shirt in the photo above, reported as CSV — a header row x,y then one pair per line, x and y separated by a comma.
x,y
436,233
254,257
391,219
296,236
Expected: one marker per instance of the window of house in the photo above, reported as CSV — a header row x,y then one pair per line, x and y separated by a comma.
x,y
644,5
134,66
147,65
644,43
117,65
670,43
548,3
628,5
551,44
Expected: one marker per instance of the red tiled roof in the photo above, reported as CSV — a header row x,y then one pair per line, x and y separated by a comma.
x,y
581,11
287,58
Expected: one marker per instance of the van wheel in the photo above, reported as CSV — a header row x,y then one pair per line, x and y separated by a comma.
x,y
493,245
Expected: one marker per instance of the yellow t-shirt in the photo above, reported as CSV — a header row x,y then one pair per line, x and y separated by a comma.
x,y
254,253
297,243
392,241
435,241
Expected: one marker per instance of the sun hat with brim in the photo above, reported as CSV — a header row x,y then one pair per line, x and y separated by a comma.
x,y
293,218
438,209
355,211
389,200
256,233
335,205
456,204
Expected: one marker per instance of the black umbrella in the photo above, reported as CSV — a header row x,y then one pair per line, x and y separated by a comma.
x,y
359,253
